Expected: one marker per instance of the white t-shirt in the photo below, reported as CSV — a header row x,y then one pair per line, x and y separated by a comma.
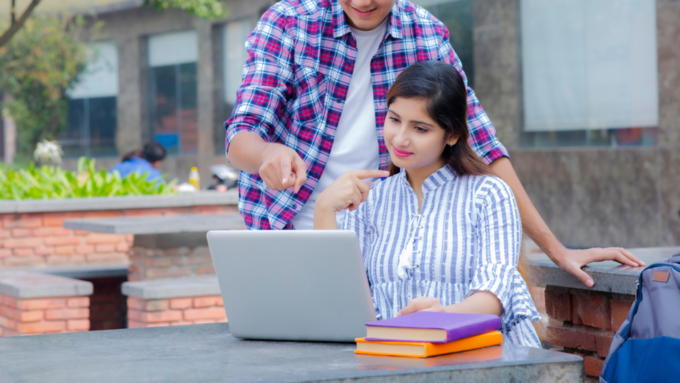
x,y
355,146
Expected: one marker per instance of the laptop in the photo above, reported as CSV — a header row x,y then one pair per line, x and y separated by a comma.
x,y
299,285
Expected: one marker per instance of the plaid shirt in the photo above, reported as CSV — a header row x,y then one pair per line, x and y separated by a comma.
x,y
300,60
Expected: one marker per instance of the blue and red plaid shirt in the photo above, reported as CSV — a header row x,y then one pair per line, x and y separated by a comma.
x,y
300,60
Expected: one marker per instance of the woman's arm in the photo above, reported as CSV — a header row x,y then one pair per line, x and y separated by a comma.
x,y
481,302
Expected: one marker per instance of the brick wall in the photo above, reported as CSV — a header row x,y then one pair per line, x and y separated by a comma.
x,y
108,307
175,311
38,239
584,322
149,264
43,315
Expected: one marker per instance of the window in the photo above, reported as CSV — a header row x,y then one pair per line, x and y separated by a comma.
x,y
457,17
173,115
589,73
91,128
234,56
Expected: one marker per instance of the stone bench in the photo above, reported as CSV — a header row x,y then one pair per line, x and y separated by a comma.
x,y
34,303
583,320
165,247
174,302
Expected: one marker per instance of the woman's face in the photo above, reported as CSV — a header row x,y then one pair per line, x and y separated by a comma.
x,y
413,138
366,15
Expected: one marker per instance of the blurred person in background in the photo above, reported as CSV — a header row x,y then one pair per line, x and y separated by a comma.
x,y
143,161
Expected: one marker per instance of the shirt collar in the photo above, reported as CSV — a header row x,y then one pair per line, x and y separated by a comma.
x,y
435,180
341,28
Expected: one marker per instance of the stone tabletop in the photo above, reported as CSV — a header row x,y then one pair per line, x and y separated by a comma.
x,y
609,276
33,285
208,353
159,224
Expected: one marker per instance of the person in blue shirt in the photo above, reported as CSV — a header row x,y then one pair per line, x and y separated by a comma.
x,y
143,161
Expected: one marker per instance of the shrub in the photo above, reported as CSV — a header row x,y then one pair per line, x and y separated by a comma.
x,y
50,182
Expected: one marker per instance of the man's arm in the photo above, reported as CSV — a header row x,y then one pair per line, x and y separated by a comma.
x,y
568,260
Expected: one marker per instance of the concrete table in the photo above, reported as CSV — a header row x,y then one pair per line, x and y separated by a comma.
x,y
208,353
165,246
584,320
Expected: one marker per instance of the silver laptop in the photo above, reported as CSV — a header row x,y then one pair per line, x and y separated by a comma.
x,y
292,285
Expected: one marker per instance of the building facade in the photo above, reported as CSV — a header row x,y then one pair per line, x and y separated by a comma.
x,y
585,95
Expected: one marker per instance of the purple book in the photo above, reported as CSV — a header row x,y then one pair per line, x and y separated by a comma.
x,y
452,326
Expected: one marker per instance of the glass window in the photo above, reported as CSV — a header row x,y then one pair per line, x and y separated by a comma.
x,y
457,17
589,73
234,56
173,91
92,117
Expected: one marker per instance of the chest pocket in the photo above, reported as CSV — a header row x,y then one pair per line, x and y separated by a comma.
x,y
308,101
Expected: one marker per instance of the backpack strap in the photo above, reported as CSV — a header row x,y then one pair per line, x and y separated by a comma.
x,y
675,258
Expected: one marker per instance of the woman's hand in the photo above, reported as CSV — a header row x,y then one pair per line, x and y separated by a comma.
x,y
422,304
348,191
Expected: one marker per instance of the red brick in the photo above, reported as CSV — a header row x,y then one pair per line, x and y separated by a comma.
x,y
578,337
40,303
157,261
60,314
575,319
43,232
23,252
8,333
206,313
64,250
61,232
158,324
41,327
135,324
122,247
181,323
155,317
180,303
604,342
62,241
24,261
21,315
143,212
84,249
592,365
22,221
44,251
78,324
107,257
5,233
105,248
81,233
18,233
147,305
102,214
78,302
204,321
4,253
619,312
208,301
205,270
593,309
96,239
21,243
164,273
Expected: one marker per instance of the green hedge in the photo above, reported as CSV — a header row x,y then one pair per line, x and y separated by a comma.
x,y
49,182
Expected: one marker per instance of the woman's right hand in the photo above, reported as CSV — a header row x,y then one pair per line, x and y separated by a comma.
x,y
348,191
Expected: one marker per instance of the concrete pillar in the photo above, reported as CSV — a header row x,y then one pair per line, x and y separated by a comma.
x,y
131,103
207,98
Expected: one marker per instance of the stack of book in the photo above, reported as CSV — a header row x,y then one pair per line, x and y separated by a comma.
x,y
424,334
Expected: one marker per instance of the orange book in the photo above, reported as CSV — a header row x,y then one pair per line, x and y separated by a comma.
x,y
426,349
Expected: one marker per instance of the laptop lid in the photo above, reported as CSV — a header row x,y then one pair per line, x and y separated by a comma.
x,y
300,285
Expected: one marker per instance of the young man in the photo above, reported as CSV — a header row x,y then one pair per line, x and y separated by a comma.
x,y
312,105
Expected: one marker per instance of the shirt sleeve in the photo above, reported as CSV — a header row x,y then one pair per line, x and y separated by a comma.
x,y
482,132
267,78
499,237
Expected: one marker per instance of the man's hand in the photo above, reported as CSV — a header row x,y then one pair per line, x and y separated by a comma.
x,y
282,168
571,261
348,191
422,304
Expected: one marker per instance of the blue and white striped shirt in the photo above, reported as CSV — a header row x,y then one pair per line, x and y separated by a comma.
x,y
466,238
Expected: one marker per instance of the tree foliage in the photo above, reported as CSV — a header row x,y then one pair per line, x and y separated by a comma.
x,y
205,9
36,68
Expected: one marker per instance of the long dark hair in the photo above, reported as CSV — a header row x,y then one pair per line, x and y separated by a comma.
x,y
443,89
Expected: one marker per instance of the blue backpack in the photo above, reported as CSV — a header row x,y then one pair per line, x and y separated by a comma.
x,y
647,346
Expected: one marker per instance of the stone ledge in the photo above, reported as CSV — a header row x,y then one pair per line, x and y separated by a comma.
x,y
35,285
159,224
609,276
174,288
103,270
117,203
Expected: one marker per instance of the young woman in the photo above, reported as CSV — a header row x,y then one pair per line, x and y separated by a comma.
x,y
442,233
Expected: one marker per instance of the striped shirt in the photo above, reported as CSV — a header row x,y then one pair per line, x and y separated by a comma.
x,y
466,238
301,58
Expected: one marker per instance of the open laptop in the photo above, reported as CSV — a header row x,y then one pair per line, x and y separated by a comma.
x,y
293,284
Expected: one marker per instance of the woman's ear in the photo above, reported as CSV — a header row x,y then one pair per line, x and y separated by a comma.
x,y
452,141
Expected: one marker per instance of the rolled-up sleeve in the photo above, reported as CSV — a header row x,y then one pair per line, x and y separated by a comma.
x,y
482,132
267,79
499,241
